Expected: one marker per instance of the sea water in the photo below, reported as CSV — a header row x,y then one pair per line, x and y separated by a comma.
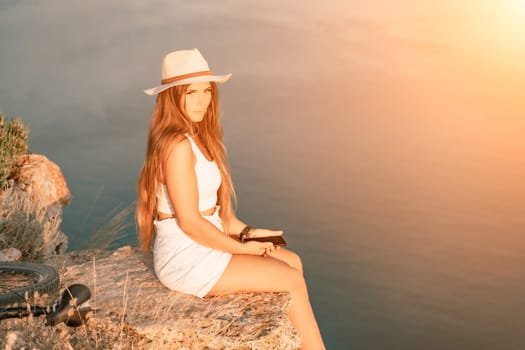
x,y
383,138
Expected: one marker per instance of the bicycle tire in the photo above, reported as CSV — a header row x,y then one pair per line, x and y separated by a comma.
x,y
47,281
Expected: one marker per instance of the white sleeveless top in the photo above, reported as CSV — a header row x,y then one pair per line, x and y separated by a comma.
x,y
208,183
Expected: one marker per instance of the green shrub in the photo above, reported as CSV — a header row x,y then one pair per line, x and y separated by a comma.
x,y
13,145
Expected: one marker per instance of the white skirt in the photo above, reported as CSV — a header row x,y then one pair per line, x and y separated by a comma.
x,y
183,264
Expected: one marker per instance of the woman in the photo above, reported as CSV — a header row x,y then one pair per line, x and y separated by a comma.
x,y
185,202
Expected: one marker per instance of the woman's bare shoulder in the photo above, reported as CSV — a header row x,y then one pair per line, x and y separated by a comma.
x,y
179,147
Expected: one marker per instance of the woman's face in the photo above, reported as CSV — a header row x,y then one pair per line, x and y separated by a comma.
x,y
196,99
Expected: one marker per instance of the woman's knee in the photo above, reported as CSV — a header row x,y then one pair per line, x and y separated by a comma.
x,y
297,262
296,281
289,257
294,260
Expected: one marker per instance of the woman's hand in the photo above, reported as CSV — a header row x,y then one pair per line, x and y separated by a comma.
x,y
258,248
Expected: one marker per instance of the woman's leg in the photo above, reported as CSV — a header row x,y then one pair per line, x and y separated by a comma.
x,y
250,273
288,257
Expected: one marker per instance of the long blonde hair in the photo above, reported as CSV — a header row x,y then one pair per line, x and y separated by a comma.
x,y
170,123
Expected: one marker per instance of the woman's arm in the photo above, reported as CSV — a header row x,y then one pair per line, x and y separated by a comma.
x,y
234,226
181,182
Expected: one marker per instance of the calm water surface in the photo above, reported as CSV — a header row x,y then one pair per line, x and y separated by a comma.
x,y
386,139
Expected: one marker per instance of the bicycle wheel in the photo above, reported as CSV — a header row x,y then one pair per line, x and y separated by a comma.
x,y
19,277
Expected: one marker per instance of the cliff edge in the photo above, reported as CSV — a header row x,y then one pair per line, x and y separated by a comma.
x,y
133,310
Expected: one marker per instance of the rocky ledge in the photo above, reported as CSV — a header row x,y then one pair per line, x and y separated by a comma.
x,y
127,294
134,311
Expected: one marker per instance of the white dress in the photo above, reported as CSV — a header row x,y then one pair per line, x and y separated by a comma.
x,y
180,262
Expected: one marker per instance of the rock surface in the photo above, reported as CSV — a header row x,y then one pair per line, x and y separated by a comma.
x,y
127,293
43,180
10,254
41,184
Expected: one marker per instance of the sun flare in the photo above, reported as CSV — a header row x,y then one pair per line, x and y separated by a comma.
x,y
514,11
500,31
518,5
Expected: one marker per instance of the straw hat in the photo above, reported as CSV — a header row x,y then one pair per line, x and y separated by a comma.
x,y
185,67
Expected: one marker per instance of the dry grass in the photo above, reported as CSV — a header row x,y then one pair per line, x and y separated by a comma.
x,y
30,226
115,224
31,333
26,225
97,333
